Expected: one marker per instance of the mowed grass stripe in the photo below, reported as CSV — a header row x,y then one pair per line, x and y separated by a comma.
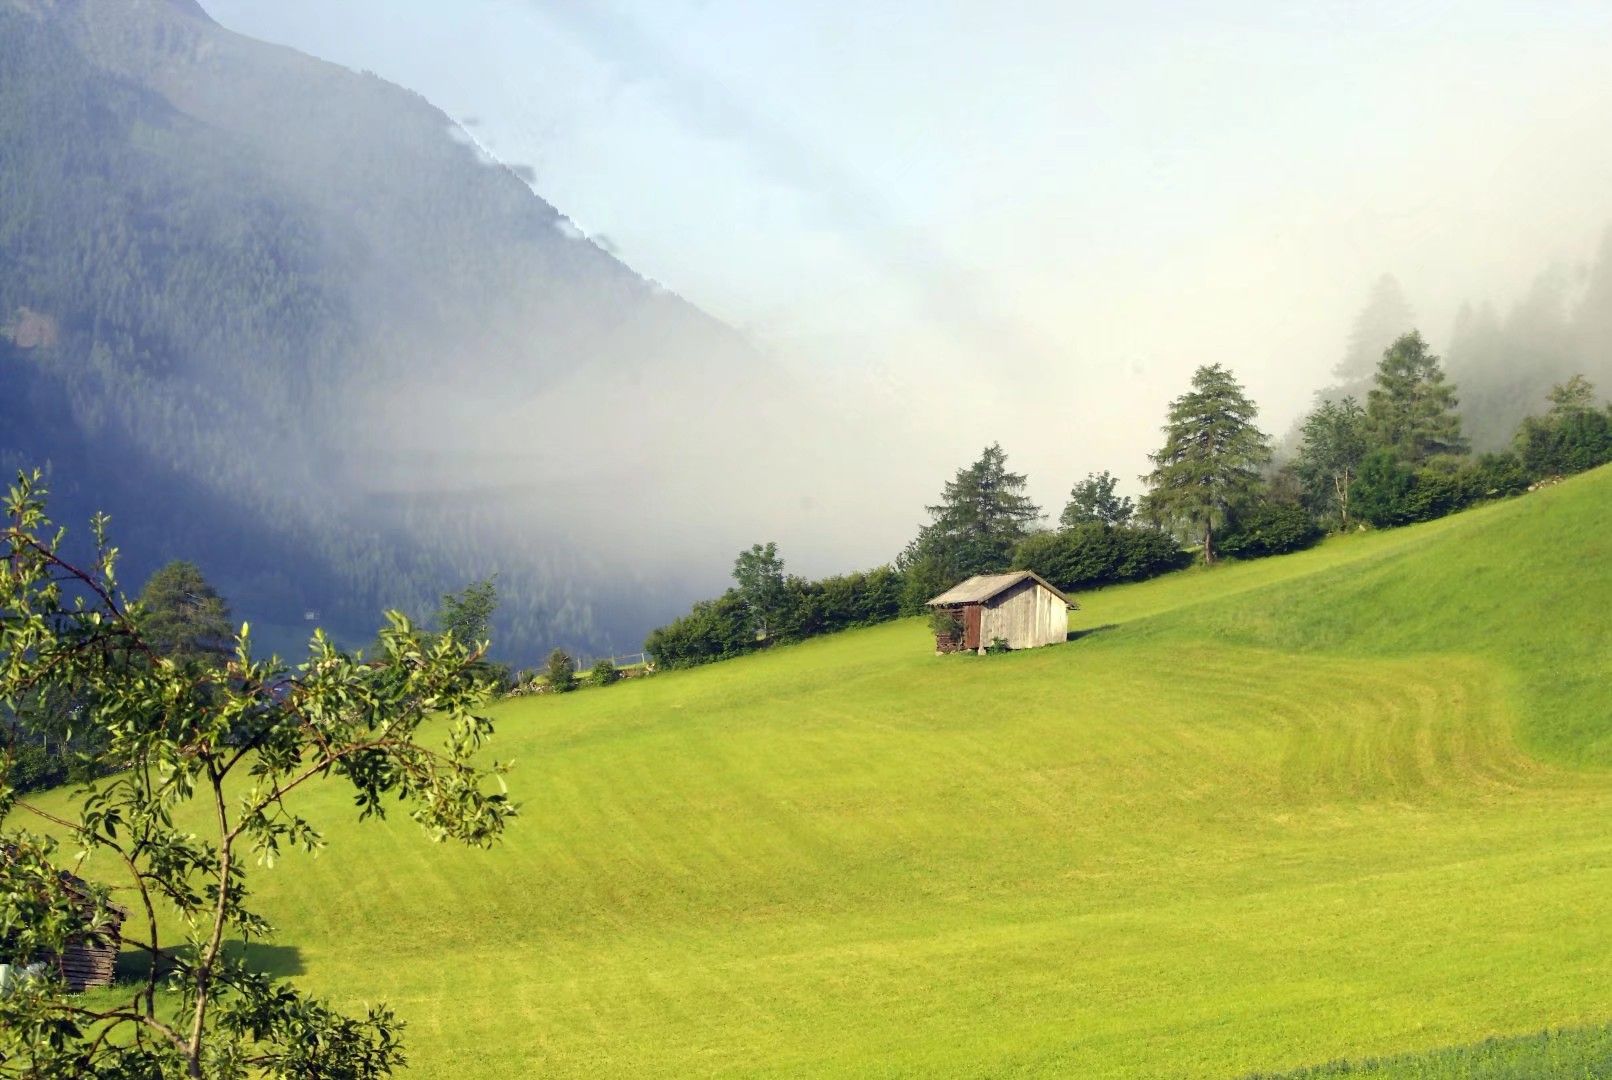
x,y
1347,803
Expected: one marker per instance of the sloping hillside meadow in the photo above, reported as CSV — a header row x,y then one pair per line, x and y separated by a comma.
x,y
1352,803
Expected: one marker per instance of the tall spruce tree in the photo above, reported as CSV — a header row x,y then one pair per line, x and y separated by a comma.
x,y
982,515
1211,457
1385,317
1411,410
185,617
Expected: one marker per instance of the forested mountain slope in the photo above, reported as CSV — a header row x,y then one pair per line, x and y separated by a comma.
x,y
287,320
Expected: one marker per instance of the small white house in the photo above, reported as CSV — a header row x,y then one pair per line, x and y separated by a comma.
x,y
1021,608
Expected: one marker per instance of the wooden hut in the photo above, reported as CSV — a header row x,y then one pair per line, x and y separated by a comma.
x,y
1021,608
90,960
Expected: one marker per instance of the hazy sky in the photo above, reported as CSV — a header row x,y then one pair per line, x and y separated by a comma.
x,y
1029,222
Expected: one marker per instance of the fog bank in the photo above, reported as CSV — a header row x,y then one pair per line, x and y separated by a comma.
x,y
943,230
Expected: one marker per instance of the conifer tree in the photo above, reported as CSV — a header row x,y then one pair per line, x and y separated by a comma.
x,y
1211,456
982,515
186,618
562,672
1385,317
1411,410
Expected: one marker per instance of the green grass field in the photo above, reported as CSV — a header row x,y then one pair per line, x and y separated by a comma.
x,y
1351,805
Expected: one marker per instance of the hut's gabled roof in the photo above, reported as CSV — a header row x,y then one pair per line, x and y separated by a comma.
x,y
983,587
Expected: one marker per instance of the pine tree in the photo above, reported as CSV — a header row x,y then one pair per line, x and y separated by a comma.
x,y
562,672
1211,456
1385,317
982,515
1411,410
185,617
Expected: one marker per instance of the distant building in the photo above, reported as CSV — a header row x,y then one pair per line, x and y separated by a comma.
x,y
1020,608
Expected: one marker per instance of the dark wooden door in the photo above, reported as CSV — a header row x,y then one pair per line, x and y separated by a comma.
x,y
971,626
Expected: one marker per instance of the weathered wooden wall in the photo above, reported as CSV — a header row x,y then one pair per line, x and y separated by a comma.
x,y
1052,617
1025,616
88,964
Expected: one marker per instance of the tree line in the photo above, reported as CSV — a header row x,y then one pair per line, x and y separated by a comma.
x,y
1217,489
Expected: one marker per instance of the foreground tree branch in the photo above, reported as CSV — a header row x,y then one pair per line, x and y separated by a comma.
x,y
229,744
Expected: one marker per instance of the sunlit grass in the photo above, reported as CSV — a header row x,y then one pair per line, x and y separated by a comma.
x,y
1345,804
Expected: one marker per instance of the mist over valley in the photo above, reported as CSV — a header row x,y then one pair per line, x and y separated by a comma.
x,y
295,322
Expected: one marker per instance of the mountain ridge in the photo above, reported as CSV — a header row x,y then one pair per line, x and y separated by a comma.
x,y
214,238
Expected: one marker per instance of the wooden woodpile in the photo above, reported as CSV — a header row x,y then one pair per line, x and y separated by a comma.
x,y
91,962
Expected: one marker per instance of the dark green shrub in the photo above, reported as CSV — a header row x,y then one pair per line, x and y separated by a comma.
x,y
1082,555
1560,445
1382,490
495,673
717,629
879,599
1495,476
1271,529
800,610
838,600
1387,493
562,671
48,742
603,673
1436,492
1147,553
714,630
925,578
945,624
33,768
1091,555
